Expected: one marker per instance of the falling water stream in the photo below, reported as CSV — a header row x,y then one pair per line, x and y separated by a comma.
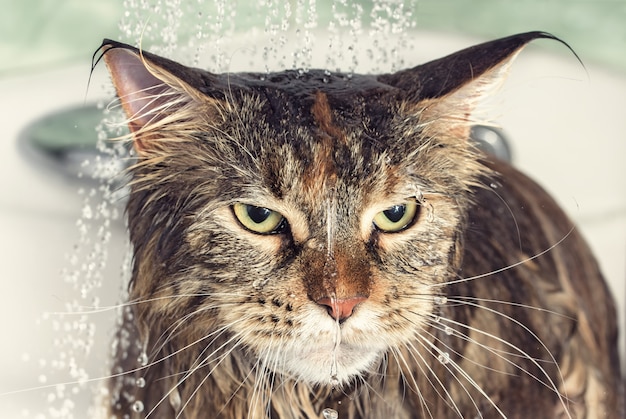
x,y
336,35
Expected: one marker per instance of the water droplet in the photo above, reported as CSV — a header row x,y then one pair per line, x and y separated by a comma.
x,y
440,299
87,212
175,400
143,359
138,406
141,382
448,330
329,413
334,381
444,357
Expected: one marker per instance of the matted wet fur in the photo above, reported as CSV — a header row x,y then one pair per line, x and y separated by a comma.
x,y
306,242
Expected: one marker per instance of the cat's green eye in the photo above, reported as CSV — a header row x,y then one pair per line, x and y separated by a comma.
x,y
396,218
258,219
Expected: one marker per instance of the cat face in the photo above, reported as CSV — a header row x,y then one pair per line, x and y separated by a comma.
x,y
307,221
333,237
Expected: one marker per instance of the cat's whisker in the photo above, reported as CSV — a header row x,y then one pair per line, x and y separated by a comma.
x,y
497,352
460,298
187,374
261,385
550,384
413,351
100,378
168,333
450,365
511,266
201,364
410,381
419,361
261,377
272,375
85,309
258,372
214,335
491,188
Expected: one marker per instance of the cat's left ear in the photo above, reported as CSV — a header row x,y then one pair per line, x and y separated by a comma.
x,y
444,92
153,90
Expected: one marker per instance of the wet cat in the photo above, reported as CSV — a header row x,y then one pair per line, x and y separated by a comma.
x,y
306,242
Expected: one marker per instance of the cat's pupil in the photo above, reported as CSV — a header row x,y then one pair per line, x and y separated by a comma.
x,y
258,214
395,213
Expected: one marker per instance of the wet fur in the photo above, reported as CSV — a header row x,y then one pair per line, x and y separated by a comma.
x,y
489,305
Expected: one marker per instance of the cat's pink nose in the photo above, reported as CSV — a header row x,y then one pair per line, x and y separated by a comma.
x,y
340,309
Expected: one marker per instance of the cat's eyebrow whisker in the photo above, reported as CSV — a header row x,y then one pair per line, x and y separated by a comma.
x,y
506,268
236,139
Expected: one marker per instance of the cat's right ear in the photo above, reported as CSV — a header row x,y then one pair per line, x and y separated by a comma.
x,y
153,92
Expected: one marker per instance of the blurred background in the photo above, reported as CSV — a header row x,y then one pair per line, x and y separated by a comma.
x,y
62,239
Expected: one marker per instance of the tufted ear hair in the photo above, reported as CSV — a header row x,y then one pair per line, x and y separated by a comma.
x,y
153,89
448,89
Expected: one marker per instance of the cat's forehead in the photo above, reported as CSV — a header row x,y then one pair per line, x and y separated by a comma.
x,y
314,134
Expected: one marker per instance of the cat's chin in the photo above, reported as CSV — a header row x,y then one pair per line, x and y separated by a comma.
x,y
327,365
